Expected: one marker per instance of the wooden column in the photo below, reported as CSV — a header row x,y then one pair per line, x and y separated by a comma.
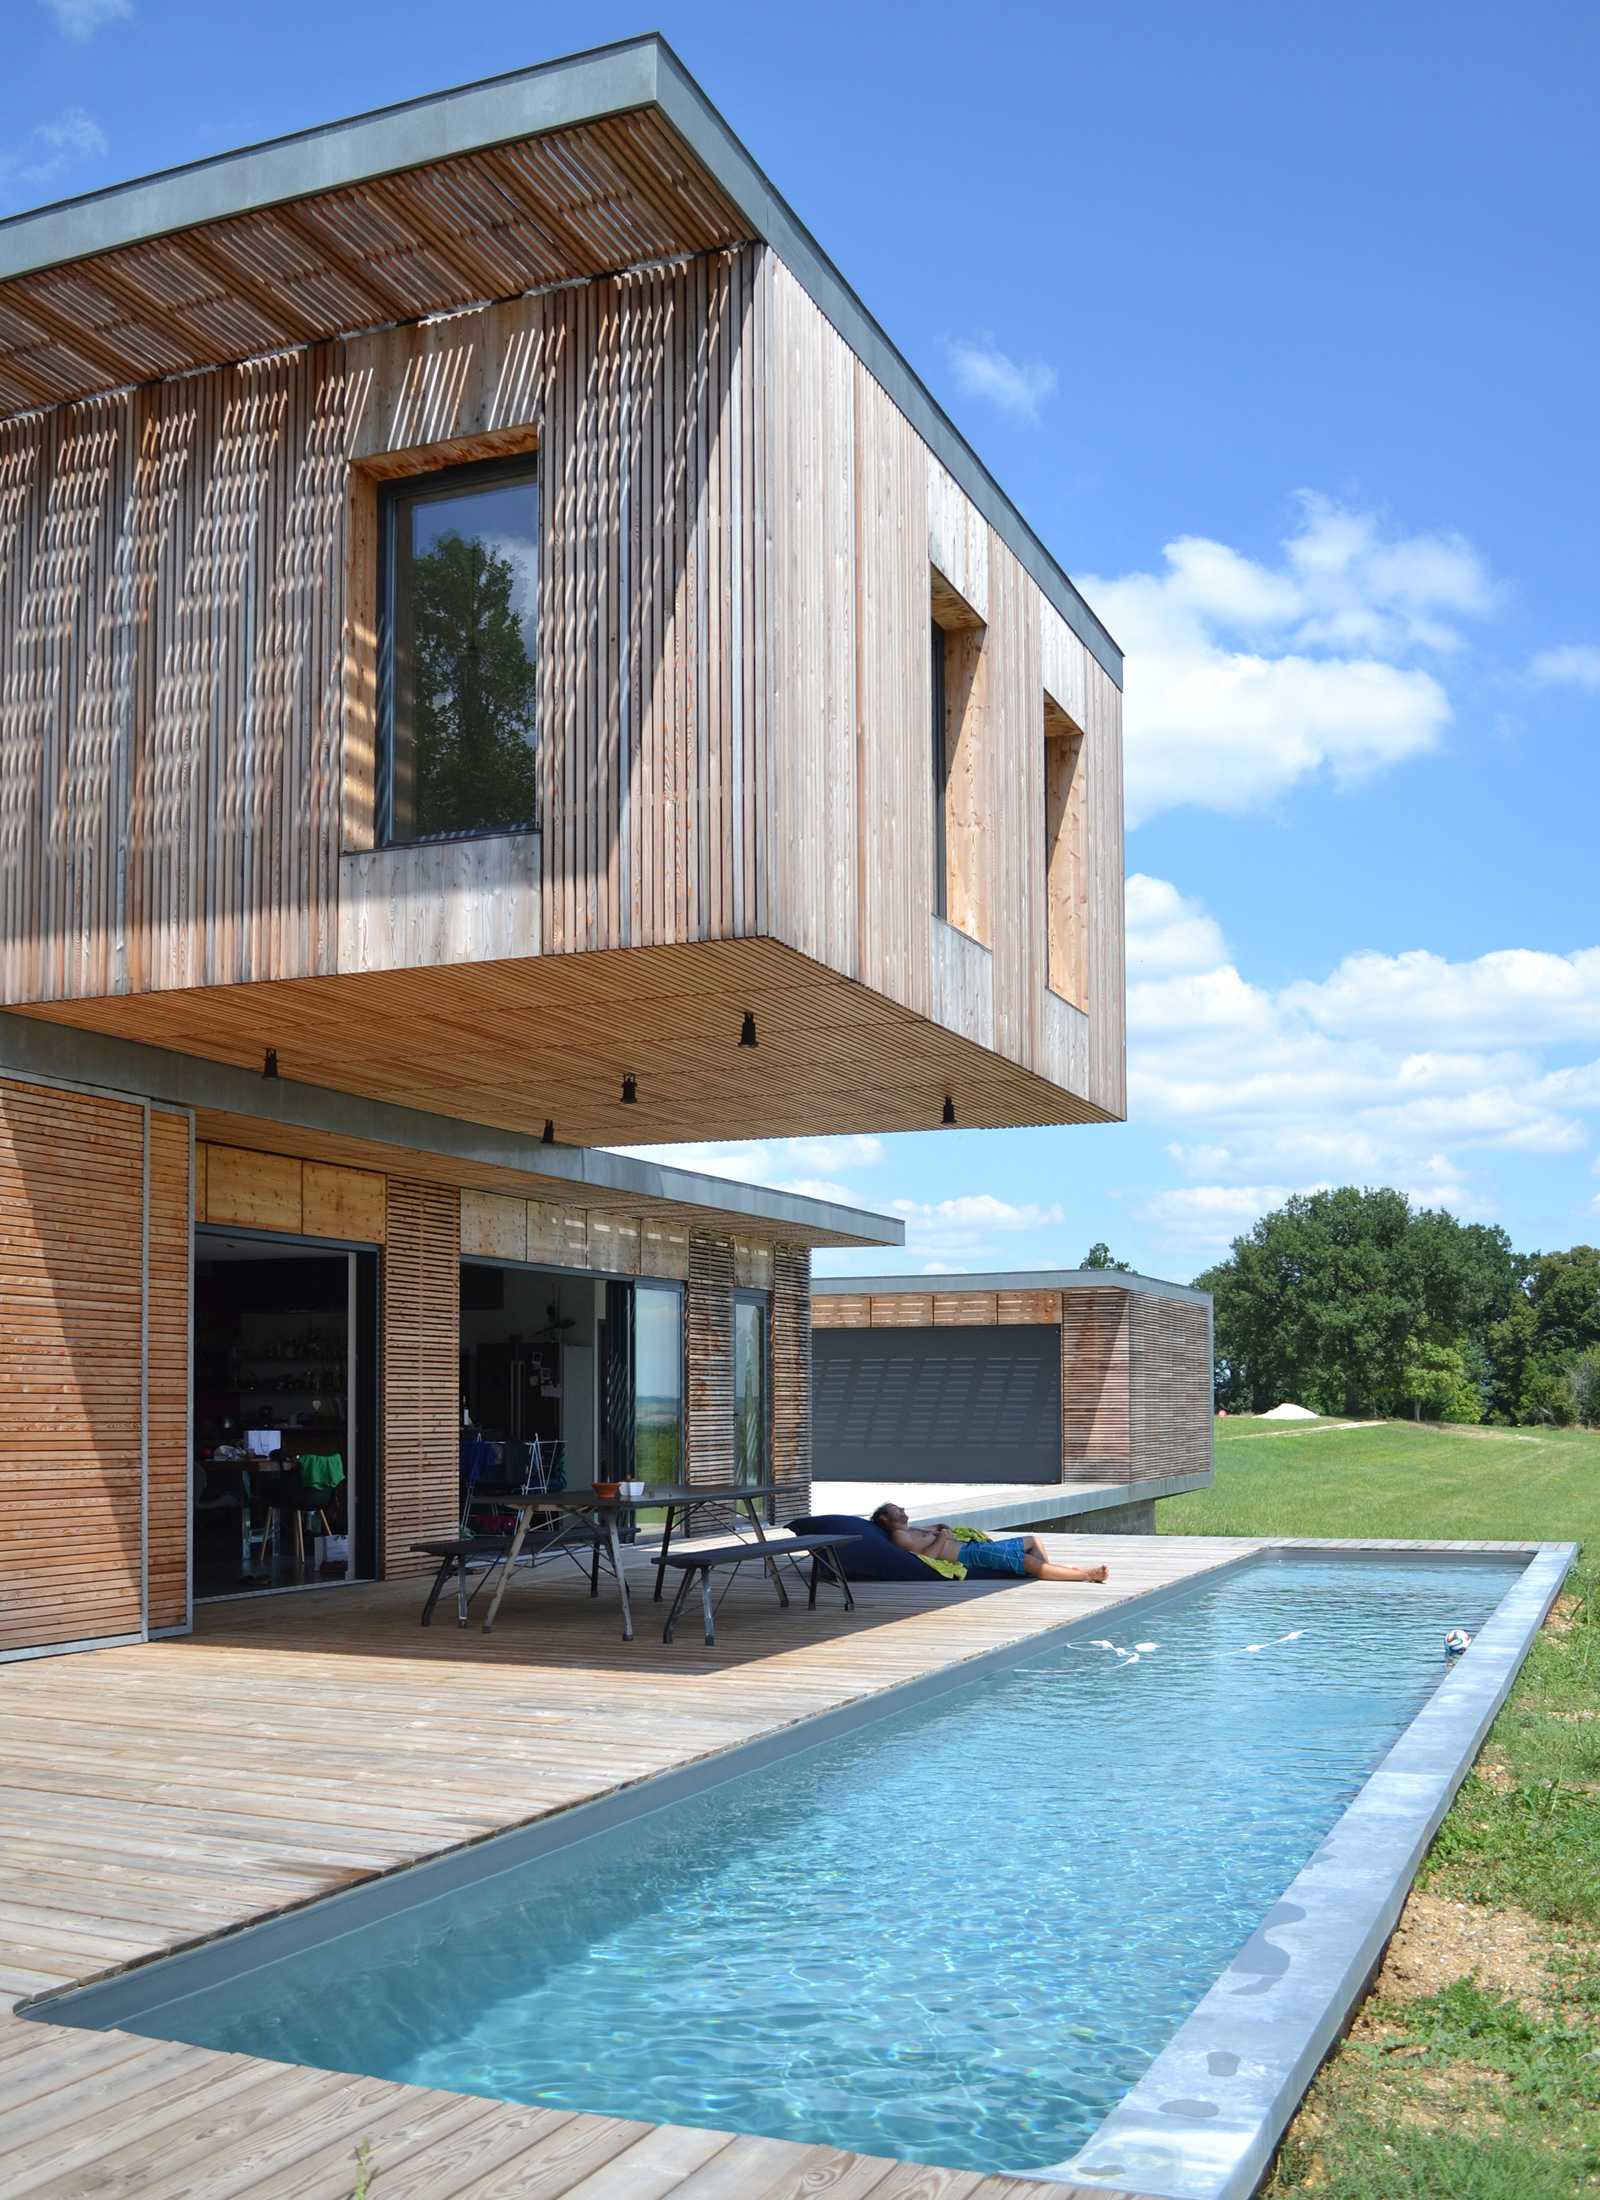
x,y
421,1371
171,1230
708,1404
791,1379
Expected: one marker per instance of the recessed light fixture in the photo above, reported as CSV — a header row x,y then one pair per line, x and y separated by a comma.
x,y
269,1067
747,1030
630,1092
949,1115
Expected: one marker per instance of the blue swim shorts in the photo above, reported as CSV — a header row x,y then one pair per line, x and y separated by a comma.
x,y
1003,1557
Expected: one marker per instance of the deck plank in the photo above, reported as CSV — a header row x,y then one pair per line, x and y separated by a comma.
x,y
154,1795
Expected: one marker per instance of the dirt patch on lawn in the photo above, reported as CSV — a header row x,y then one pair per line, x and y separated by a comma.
x,y
1438,1941
1564,1614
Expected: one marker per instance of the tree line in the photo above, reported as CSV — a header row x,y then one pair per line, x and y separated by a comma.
x,y
1355,1302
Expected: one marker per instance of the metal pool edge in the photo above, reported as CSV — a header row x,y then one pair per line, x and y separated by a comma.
x,y
1205,2119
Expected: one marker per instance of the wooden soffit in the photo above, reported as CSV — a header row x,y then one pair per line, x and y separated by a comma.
x,y
494,222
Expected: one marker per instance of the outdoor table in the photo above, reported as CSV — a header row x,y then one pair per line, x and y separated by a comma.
x,y
586,1513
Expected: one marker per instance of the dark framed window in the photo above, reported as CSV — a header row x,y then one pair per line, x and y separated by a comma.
x,y
658,1382
752,1388
459,652
941,772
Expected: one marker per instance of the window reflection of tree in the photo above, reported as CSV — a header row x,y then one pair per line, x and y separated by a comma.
x,y
474,691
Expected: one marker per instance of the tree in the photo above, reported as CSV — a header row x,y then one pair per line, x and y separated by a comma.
x,y
474,692
1099,1256
1584,1380
1439,1386
1552,1324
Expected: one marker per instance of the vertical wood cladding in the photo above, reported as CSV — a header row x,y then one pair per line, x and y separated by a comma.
x,y
186,633
1173,1420
791,1379
71,1352
171,1201
1097,1432
708,1348
859,514
421,1370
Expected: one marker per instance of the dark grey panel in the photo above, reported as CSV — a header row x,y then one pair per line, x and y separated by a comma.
x,y
936,1405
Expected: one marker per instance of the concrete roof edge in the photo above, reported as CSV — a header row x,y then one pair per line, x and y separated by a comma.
x,y
32,1046
1026,1279
552,95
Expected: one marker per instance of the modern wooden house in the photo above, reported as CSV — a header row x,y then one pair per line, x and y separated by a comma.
x,y
498,656
1085,1392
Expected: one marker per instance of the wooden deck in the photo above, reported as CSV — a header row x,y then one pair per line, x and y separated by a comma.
x,y
157,1795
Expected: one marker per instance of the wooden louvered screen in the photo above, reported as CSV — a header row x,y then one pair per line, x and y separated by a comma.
x,y
1097,1435
171,1200
71,1296
421,1370
791,1379
708,1321
1171,1389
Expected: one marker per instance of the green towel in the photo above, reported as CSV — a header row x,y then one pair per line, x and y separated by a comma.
x,y
320,1470
952,1568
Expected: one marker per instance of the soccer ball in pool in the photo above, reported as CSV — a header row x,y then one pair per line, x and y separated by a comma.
x,y
1455,1642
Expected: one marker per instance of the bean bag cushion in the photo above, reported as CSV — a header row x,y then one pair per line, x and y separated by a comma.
x,y
872,1557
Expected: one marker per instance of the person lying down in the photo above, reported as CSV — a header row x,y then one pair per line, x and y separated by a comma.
x,y
950,1550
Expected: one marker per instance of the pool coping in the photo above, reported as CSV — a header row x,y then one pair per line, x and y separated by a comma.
x,y
1208,2137
1205,2120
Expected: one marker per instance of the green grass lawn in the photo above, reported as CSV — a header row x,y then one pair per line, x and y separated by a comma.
x,y
1473,2072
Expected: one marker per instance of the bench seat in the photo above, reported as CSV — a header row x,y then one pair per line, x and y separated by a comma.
x,y
822,1550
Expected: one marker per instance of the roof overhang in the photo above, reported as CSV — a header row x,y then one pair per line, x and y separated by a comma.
x,y
578,168
235,1106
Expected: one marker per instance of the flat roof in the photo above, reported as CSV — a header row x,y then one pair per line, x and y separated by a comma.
x,y
1012,1279
438,202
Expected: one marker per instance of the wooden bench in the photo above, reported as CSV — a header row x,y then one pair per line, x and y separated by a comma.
x,y
822,1550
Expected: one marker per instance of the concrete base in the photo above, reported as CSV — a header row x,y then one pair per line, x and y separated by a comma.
x,y
1066,1508
1136,1519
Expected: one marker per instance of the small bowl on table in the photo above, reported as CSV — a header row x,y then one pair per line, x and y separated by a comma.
x,y
606,1491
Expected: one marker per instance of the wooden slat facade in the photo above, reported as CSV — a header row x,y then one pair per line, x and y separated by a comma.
x,y
421,1353
171,1199
1136,1390
791,1380
709,1451
91,1190
740,539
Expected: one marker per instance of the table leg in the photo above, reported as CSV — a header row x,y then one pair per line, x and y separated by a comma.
x,y
707,1608
506,1564
774,1566
661,1555
622,1578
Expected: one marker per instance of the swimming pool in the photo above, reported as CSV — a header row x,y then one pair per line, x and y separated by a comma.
x,y
957,1935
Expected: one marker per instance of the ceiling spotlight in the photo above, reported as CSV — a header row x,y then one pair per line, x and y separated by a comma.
x,y
949,1115
747,1030
630,1092
549,1137
269,1067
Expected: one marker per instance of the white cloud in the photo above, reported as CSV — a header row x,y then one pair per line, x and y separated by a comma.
x,y
960,1232
52,149
80,19
1575,664
983,370
1392,1069
1245,679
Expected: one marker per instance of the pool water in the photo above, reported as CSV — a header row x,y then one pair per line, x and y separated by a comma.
x,y
957,1936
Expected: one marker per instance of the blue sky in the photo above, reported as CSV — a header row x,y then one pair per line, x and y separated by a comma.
x,y
1279,324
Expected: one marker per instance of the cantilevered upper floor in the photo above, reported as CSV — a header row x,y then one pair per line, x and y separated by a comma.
x,y
486,614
